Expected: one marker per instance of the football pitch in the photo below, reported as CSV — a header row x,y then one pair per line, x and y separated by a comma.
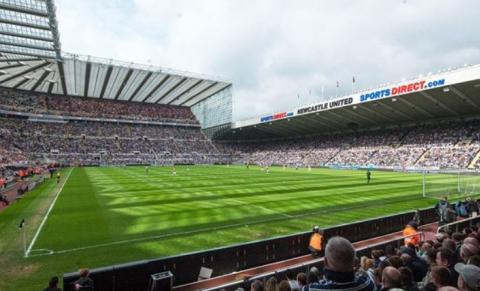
x,y
101,216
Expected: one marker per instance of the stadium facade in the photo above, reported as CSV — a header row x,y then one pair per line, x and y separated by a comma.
x,y
32,60
83,110
450,94
33,65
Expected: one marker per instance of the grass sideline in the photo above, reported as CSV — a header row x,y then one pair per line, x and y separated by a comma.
x,y
114,215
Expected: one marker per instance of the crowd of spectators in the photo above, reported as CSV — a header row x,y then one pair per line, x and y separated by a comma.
x,y
441,145
20,139
87,142
449,156
18,101
432,264
308,151
449,262
452,145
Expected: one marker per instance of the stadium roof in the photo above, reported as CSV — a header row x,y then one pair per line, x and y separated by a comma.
x,y
31,59
450,94
29,27
105,79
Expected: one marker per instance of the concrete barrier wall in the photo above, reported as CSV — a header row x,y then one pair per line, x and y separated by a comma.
x,y
185,268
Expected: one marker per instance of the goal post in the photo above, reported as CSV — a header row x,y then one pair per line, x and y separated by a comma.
x,y
458,183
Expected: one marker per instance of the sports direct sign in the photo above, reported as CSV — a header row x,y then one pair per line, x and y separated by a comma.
x,y
447,78
276,116
402,89
396,90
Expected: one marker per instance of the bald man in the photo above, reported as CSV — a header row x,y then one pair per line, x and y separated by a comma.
x,y
338,269
471,240
391,278
468,250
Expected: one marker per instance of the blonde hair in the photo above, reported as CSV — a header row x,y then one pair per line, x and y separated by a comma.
x,y
84,272
366,263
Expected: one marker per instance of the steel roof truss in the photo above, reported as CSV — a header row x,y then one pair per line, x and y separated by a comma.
x,y
394,111
204,96
140,86
464,97
439,103
414,107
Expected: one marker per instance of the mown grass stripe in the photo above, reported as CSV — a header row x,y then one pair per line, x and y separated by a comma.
x,y
37,233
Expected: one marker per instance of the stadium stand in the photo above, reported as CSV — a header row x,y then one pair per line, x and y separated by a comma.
x,y
437,263
105,112
451,145
94,142
13,100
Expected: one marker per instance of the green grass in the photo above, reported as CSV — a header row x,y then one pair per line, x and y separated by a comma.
x,y
107,216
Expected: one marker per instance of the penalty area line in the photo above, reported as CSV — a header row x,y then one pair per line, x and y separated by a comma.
x,y
29,250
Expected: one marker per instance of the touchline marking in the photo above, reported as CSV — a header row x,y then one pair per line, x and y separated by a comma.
x,y
46,216
244,224
156,237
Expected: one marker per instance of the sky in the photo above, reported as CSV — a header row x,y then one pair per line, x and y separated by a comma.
x,y
279,54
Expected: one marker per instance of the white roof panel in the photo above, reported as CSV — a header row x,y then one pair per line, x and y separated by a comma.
x,y
132,84
123,82
194,91
209,92
168,85
183,88
153,81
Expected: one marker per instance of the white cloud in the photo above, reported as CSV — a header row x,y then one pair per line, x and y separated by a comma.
x,y
274,50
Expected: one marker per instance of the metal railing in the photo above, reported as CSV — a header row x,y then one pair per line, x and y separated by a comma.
x,y
305,266
456,223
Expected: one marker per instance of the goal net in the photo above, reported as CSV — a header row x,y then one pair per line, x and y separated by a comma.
x,y
455,183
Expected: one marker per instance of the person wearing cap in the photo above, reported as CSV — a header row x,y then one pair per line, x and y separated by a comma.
x,y
410,233
316,241
469,277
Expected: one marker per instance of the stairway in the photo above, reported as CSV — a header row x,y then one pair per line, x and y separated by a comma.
x,y
422,156
474,161
332,157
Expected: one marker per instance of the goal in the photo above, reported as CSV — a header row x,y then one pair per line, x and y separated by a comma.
x,y
457,183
